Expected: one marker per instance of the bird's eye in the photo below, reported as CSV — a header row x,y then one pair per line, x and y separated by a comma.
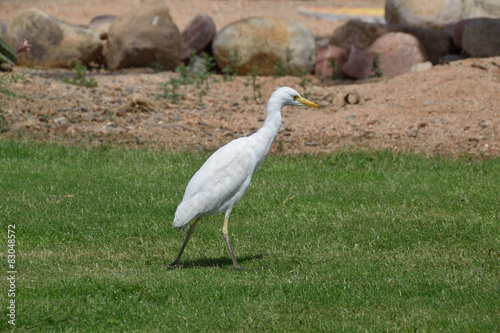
x,y
295,97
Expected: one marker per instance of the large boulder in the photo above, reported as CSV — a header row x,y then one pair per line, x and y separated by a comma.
x,y
391,54
361,35
198,34
483,8
263,42
143,37
423,13
481,38
54,43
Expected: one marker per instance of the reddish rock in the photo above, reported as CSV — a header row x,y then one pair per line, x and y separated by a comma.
x,y
324,60
198,34
397,53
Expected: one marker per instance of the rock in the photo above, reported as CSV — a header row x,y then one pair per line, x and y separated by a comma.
x,y
362,34
358,34
423,13
359,64
458,31
198,34
485,123
324,59
483,8
481,38
54,43
101,24
436,43
453,57
397,53
264,42
448,29
62,121
421,66
142,37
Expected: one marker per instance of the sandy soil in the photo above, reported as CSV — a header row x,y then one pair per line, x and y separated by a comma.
x,y
452,109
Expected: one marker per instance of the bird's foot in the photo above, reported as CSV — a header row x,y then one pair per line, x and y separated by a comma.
x,y
174,265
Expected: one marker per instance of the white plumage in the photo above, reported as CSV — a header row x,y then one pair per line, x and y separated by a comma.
x,y
224,178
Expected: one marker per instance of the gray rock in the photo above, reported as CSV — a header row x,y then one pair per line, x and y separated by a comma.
x,y
458,31
143,37
198,34
453,57
54,43
481,38
263,42
423,13
397,53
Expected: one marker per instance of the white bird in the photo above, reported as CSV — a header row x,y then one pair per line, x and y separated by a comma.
x,y
224,178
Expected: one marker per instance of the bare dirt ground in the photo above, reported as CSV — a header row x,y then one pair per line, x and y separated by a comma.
x,y
451,110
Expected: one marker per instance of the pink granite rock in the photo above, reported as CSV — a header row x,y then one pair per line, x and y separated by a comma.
x,y
324,59
391,54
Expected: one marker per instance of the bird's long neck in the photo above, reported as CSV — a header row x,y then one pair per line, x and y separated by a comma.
x,y
268,132
273,118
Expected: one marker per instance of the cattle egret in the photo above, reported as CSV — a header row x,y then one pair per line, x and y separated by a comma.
x,y
224,178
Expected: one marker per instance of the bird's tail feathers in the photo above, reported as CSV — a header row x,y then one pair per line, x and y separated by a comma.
x,y
183,216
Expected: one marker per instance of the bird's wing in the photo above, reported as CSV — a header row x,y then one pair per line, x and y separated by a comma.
x,y
223,178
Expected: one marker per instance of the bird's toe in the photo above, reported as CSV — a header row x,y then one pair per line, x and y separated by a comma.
x,y
174,265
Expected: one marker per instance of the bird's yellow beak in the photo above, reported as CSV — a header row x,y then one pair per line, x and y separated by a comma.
x,y
307,102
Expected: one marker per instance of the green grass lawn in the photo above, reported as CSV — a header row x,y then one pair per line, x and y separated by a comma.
x,y
351,241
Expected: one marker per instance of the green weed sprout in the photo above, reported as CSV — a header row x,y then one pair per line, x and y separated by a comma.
x,y
233,67
81,78
170,90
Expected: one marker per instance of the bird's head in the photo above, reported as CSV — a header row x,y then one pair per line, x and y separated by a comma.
x,y
289,96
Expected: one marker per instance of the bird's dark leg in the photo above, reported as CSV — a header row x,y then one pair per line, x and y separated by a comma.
x,y
229,247
178,259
